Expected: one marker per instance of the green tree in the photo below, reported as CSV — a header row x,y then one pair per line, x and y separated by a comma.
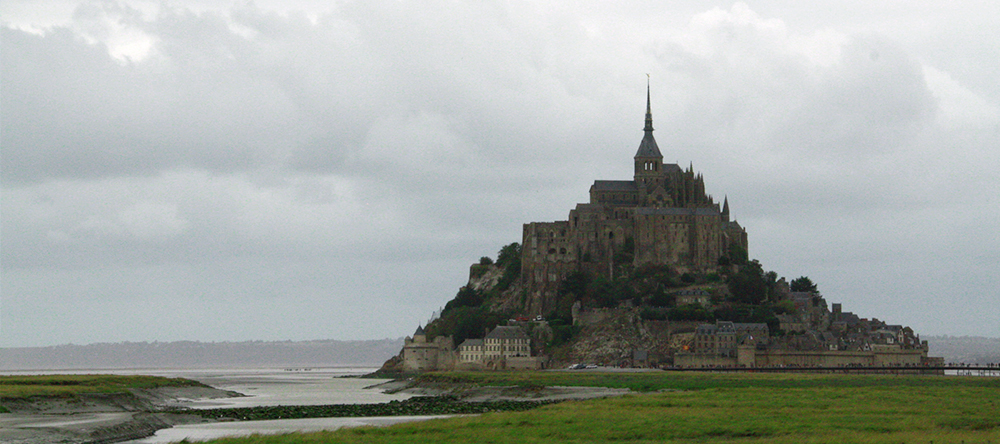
x,y
610,292
690,312
803,283
462,323
573,288
509,254
736,255
466,297
749,284
509,258
626,255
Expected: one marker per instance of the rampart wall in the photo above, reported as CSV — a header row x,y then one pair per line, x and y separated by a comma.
x,y
786,358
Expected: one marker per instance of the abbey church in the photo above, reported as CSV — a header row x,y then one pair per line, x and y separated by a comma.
x,y
661,217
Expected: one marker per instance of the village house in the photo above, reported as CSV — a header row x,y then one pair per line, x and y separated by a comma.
x,y
689,297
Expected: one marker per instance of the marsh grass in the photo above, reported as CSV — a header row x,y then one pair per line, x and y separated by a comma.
x,y
714,408
19,387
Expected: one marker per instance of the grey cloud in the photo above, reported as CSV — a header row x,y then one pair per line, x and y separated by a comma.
x,y
371,151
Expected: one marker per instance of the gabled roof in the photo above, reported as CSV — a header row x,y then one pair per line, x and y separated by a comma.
x,y
420,331
470,343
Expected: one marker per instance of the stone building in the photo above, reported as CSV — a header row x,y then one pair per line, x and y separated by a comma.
x,y
662,216
506,341
505,347
724,337
419,354
470,351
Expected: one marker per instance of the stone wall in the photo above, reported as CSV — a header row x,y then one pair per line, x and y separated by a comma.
x,y
783,358
696,360
525,363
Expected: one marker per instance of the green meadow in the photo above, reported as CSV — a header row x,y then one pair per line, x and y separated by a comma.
x,y
711,408
20,387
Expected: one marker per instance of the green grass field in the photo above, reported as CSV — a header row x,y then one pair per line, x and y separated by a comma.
x,y
713,408
19,387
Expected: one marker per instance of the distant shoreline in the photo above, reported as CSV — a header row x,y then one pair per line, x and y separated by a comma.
x,y
196,355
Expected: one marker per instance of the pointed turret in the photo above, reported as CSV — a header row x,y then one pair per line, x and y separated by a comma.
x,y
725,209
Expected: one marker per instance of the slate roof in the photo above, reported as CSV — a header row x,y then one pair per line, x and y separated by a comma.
x,y
648,148
614,185
507,332
728,327
471,343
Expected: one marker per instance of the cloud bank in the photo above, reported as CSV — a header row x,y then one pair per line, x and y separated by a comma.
x,y
197,170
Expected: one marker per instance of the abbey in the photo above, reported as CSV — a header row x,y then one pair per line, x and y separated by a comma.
x,y
660,217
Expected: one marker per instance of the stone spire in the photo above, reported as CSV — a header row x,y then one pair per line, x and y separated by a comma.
x,y
649,111
648,148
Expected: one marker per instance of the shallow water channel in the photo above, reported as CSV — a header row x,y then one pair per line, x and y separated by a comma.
x,y
271,387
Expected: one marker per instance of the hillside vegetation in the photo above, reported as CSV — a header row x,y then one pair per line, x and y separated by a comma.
x,y
739,291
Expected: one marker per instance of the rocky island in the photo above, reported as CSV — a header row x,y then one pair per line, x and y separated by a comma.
x,y
651,272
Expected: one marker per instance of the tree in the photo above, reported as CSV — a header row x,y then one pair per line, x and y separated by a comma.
x,y
509,254
626,255
485,260
466,297
736,255
509,258
609,293
749,284
465,322
803,283
573,288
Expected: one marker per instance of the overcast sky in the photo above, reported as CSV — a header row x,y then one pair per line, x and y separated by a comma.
x,y
216,170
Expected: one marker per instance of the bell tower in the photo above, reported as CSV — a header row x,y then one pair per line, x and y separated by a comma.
x,y
648,160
